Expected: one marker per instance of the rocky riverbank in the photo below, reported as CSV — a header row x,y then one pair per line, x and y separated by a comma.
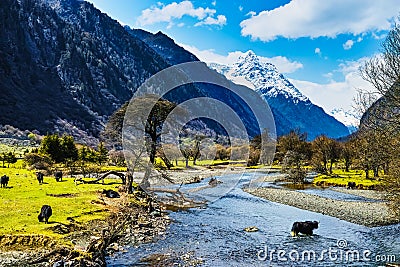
x,y
364,213
371,194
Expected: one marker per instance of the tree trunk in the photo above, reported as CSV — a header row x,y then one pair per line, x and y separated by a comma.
x,y
129,182
187,162
376,172
152,153
386,169
366,173
145,182
102,177
167,163
347,166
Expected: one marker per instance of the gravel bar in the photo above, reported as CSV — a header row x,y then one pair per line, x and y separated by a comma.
x,y
370,214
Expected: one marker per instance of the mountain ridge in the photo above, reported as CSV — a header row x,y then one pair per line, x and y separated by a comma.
x,y
70,66
292,109
69,63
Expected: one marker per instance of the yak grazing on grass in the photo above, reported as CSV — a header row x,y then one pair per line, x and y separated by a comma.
x,y
39,177
45,214
58,175
4,181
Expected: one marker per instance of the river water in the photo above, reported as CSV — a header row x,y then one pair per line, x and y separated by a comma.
x,y
215,235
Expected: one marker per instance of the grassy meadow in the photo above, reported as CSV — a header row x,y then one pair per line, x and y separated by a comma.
x,y
21,201
341,178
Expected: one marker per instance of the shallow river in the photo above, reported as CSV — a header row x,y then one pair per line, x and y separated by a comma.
x,y
215,234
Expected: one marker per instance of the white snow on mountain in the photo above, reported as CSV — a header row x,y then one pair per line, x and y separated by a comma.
x,y
347,118
291,108
256,74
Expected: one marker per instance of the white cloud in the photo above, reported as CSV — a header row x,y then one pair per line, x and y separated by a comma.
x,y
348,44
379,36
318,51
283,64
175,11
329,76
251,14
336,94
240,8
220,21
209,55
214,3
316,18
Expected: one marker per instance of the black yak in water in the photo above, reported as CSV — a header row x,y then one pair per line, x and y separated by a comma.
x,y
306,228
351,185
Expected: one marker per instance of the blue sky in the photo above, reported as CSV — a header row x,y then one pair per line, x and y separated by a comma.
x,y
318,45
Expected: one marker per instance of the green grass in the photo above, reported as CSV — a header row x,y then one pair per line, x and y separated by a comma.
x,y
18,165
113,168
21,202
341,178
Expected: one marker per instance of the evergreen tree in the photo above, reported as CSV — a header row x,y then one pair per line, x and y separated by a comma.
x,y
102,153
70,152
51,146
59,149
11,158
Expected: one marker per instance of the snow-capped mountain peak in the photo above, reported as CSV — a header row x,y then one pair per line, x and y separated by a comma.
x,y
291,109
250,60
253,72
248,56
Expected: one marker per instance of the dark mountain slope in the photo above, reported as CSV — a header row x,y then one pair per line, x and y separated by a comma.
x,y
164,46
66,66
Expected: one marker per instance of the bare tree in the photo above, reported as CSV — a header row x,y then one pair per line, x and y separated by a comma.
x,y
326,150
348,153
380,125
294,150
190,148
171,152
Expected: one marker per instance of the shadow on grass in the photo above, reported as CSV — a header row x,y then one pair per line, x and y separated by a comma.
x,y
7,187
